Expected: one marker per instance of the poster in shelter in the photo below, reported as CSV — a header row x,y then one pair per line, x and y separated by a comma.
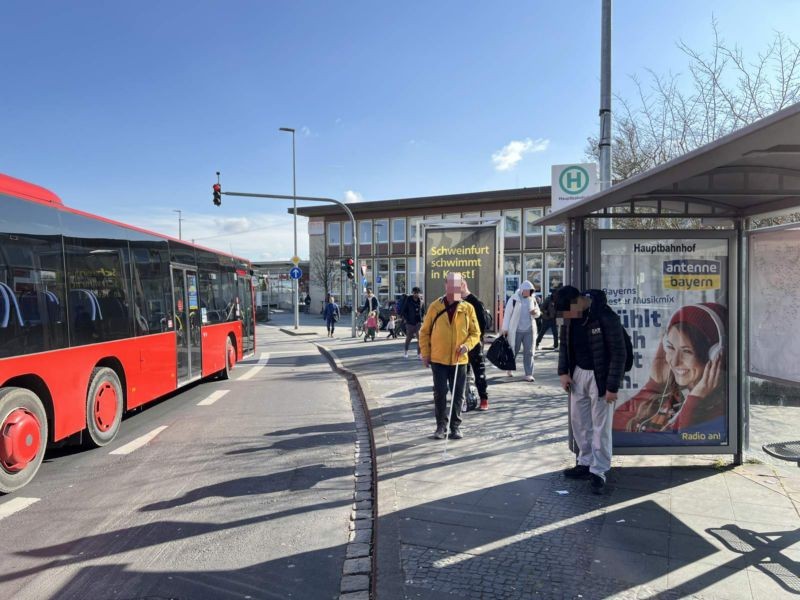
x,y
470,251
774,311
672,298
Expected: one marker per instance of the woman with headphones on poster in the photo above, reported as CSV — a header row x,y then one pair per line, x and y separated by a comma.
x,y
686,390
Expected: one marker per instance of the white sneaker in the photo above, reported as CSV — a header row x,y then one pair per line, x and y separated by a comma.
x,y
509,373
405,354
529,378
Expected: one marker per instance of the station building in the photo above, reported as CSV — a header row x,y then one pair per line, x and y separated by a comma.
x,y
387,236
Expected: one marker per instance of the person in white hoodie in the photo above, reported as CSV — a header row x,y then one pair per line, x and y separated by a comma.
x,y
519,325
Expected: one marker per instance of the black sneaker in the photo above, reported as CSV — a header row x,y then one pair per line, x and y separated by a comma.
x,y
577,472
456,434
598,484
440,433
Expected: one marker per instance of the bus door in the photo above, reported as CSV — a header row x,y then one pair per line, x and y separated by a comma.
x,y
187,323
245,288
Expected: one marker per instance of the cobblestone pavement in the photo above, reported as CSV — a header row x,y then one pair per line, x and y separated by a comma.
x,y
494,518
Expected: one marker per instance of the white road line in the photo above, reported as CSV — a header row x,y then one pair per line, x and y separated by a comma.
x,y
253,371
213,398
15,505
138,442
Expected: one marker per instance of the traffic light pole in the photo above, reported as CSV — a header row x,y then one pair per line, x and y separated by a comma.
x,y
355,236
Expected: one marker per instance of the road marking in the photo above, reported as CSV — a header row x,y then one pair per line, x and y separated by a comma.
x,y
138,442
253,371
213,398
15,505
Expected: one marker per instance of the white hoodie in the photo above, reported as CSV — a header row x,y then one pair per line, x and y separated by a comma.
x,y
513,313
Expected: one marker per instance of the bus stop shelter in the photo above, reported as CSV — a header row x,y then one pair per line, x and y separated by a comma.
x,y
691,257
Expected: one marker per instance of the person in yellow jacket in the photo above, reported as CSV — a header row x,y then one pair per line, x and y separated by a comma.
x,y
448,332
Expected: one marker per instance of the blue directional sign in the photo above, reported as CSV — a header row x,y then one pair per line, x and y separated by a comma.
x,y
378,279
295,273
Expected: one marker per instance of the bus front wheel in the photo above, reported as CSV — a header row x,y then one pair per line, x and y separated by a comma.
x,y
23,437
103,407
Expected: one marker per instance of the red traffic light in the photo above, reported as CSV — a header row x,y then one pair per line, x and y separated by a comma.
x,y
217,194
350,262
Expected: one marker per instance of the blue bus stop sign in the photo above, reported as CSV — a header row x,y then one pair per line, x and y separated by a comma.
x,y
295,273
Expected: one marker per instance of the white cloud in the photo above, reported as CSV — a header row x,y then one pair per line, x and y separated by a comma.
x,y
234,225
305,131
509,155
350,196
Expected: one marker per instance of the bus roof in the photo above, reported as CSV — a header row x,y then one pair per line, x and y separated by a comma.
x,y
29,191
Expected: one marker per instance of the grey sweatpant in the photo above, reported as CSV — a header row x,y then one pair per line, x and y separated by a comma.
x,y
591,418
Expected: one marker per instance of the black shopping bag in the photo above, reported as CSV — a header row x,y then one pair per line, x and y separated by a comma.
x,y
501,355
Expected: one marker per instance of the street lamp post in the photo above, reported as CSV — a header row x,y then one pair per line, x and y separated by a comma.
x,y
296,284
180,218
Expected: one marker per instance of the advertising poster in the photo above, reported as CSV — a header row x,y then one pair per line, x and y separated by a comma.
x,y
470,251
672,297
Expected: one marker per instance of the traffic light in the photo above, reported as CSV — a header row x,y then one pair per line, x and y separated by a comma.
x,y
343,264
217,194
351,268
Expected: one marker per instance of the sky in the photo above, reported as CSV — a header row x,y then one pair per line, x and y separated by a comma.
x,y
127,109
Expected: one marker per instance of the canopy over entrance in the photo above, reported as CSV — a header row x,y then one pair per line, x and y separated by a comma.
x,y
751,171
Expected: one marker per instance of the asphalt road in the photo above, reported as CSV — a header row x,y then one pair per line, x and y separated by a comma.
x,y
243,490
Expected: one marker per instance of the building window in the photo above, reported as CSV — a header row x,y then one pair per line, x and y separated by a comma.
x,y
511,273
333,234
413,229
347,233
398,230
472,215
513,218
531,215
412,280
533,270
398,277
555,270
365,232
382,231
382,280
453,217
555,229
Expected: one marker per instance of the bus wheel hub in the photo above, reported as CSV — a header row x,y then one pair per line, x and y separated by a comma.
x,y
19,440
105,407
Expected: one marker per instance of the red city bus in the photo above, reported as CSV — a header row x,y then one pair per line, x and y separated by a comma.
x,y
97,318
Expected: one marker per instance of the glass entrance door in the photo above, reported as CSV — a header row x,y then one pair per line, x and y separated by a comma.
x,y
248,318
187,324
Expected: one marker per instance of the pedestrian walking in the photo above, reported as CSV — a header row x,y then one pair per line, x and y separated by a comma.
x,y
476,359
591,363
307,302
448,332
549,323
370,302
371,326
412,311
332,315
519,325
391,327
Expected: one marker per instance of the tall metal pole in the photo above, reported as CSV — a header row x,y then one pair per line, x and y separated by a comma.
x,y
180,232
605,102
296,284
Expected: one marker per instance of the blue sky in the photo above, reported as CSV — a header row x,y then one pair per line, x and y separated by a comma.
x,y
127,109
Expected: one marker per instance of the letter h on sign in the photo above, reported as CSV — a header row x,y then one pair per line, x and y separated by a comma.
x,y
574,179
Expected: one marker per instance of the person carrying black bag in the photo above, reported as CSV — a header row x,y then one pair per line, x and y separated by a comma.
x,y
476,362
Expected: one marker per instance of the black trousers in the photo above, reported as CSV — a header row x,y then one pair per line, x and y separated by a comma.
x,y
443,376
548,324
478,366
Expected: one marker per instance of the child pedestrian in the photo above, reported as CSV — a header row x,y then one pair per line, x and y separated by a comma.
x,y
391,327
371,326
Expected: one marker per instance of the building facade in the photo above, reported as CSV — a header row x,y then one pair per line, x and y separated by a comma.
x,y
388,238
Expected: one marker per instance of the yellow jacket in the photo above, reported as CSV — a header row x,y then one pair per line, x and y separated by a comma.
x,y
439,341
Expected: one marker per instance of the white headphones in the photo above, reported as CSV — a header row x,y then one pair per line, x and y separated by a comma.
x,y
716,349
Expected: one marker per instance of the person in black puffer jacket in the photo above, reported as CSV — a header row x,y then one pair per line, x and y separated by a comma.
x,y
412,312
591,364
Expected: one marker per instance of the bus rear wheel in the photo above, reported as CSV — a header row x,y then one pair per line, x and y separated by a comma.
x,y
23,437
230,360
103,407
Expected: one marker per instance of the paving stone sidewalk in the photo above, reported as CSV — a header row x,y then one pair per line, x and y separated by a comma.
x,y
494,518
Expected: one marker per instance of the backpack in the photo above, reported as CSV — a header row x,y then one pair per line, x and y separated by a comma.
x,y
401,304
628,349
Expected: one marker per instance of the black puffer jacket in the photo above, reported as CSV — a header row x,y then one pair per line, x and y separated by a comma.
x,y
606,340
